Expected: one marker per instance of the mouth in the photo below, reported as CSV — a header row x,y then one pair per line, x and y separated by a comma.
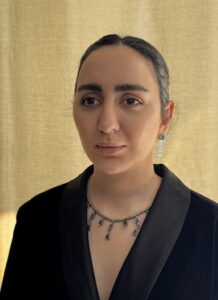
x,y
109,148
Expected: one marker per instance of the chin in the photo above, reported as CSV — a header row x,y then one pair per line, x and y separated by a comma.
x,y
112,167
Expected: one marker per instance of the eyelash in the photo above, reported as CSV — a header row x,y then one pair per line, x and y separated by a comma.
x,y
88,98
83,101
134,99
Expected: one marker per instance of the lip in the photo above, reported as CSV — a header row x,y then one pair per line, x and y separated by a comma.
x,y
109,148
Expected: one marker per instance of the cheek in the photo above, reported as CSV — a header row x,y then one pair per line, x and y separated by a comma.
x,y
84,127
145,127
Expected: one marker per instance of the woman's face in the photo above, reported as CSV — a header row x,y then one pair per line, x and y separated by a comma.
x,y
117,109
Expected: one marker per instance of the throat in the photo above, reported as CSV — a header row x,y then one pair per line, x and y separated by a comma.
x,y
124,196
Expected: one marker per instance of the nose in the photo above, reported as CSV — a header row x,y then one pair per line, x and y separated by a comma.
x,y
108,119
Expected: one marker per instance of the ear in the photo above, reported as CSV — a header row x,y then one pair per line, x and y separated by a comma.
x,y
166,117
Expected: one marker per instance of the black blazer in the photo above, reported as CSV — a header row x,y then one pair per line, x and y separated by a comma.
x,y
174,257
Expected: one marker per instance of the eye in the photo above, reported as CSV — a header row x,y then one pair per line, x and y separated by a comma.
x,y
90,101
131,101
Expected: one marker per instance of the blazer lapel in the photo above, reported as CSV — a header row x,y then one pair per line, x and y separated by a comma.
x,y
155,241
74,240
149,252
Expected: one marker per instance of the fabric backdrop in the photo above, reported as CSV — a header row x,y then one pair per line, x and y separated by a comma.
x,y
41,42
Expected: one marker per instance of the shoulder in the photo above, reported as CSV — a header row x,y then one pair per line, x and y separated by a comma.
x,y
202,203
44,203
199,204
47,203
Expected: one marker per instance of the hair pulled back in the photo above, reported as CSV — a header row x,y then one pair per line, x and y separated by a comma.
x,y
144,48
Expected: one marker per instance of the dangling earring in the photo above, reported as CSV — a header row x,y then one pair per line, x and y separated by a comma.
x,y
160,145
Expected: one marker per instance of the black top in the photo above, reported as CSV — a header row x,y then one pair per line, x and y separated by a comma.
x,y
174,257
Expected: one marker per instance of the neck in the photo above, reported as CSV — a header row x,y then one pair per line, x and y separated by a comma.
x,y
127,192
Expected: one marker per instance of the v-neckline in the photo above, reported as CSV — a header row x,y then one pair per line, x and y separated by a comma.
x,y
87,246
149,252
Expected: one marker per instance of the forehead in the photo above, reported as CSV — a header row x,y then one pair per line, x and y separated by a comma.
x,y
117,63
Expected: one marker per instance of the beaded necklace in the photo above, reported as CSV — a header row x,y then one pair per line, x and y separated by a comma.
x,y
102,218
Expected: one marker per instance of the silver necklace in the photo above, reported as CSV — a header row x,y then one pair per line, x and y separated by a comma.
x,y
134,218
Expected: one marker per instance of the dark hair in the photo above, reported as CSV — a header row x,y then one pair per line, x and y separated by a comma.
x,y
143,47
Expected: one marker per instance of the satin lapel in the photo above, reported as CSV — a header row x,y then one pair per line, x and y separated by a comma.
x,y
74,245
155,241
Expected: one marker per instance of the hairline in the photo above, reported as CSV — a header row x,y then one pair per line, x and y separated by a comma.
x,y
120,44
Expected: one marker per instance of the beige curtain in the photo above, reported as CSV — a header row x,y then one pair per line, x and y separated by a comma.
x,y
41,42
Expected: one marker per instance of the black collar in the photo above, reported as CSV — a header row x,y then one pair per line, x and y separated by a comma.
x,y
149,252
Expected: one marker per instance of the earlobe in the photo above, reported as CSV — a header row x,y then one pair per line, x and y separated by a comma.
x,y
164,126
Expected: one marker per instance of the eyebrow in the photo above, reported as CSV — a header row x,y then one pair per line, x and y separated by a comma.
x,y
130,87
89,86
118,88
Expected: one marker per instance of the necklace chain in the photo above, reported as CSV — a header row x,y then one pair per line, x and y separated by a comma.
x,y
112,221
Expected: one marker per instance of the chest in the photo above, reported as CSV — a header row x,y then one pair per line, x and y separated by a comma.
x,y
108,256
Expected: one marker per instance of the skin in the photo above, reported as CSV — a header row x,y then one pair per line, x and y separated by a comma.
x,y
120,107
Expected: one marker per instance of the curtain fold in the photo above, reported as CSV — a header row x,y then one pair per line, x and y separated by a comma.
x,y
40,46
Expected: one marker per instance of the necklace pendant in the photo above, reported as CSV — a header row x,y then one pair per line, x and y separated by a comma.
x,y
138,225
107,237
110,227
92,216
137,222
136,231
125,223
101,222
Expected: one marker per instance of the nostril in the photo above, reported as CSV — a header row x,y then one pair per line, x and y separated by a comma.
x,y
108,125
109,130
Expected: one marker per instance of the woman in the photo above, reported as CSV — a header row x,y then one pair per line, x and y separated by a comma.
x,y
124,228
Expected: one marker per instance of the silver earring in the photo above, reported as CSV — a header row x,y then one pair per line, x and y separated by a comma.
x,y
160,145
